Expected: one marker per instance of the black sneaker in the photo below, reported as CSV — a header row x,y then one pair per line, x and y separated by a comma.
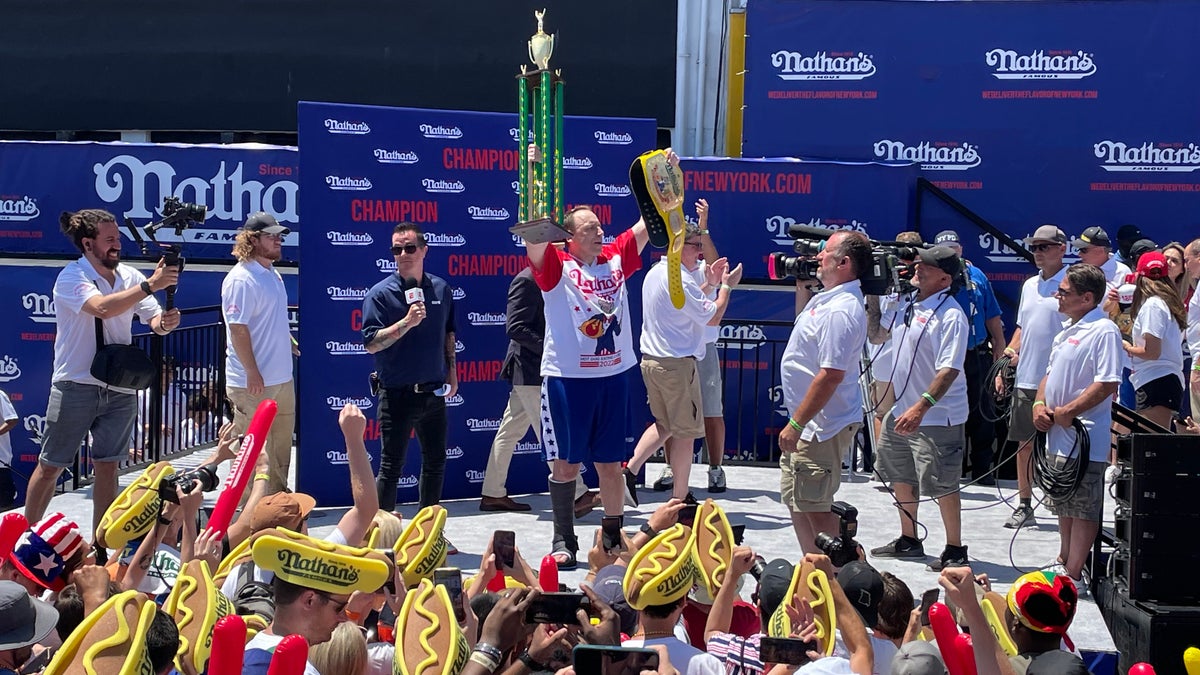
x,y
631,498
952,556
900,547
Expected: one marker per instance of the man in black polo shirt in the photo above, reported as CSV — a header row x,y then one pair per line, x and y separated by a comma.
x,y
413,343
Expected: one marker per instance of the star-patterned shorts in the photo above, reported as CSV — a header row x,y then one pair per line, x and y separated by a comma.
x,y
585,418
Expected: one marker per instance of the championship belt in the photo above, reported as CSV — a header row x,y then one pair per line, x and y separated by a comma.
x,y
813,585
658,186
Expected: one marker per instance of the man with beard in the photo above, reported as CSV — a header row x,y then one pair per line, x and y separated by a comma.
x,y
97,288
258,358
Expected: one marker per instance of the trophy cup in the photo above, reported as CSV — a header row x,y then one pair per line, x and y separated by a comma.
x,y
540,184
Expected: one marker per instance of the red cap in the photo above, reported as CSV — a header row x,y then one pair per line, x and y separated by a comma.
x,y
1153,265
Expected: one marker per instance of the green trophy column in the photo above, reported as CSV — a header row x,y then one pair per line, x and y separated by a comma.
x,y
544,128
558,152
522,149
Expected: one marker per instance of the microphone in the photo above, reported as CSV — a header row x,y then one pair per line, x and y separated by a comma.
x,y
799,231
412,291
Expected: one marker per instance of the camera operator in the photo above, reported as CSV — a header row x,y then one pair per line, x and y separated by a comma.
x,y
826,406
922,445
881,317
97,286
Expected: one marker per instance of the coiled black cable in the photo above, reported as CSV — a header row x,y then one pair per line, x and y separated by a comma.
x,y
993,405
1060,482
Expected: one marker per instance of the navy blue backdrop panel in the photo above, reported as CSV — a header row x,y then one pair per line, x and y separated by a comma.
x,y
39,180
454,174
1026,112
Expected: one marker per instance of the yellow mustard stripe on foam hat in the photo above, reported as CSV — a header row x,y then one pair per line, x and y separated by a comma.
x,y
135,510
429,640
110,641
813,585
662,571
712,546
239,555
421,548
320,565
196,604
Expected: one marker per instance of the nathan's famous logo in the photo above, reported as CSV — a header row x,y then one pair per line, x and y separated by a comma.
x,y
931,155
455,400
439,131
577,162
36,426
1040,64
18,208
454,453
741,337
439,186
229,194
346,127
487,318
610,190
527,448
144,518
518,240
779,226
357,184
9,370
515,134
407,481
775,395
486,424
673,584
516,187
343,294
336,348
349,238
473,475
339,402
996,251
458,294
488,213
316,567
386,264
1149,156
395,156
459,347
41,307
436,239
822,65
611,138
341,458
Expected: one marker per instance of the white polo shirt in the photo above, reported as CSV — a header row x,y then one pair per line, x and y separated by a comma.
x,y
254,296
829,333
1039,320
1115,271
75,340
711,333
933,337
883,360
7,412
1155,319
1084,352
1193,327
670,332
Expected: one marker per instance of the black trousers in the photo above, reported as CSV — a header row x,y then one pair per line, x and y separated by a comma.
x,y
981,434
401,411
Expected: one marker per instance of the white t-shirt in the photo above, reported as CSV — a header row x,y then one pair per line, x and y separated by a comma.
x,y
1086,351
934,337
711,333
829,333
1115,271
588,329
670,332
1039,320
883,649
685,658
230,586
262,641
1155,319
7,412
75,340
254,296
1193,327
883,357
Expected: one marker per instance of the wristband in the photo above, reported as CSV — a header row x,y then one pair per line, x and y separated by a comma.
x,y
484,660
648,531
1196,367
146,288
726,287
354,617
929,398
1037,403
703,232
795,425
163,520
531,663
261,476
490,651
1010,351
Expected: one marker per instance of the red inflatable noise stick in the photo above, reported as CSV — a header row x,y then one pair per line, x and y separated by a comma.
x,y
228,646
941,621
548,575
966,653
291,655
243,467
1141,669
496,583
12,526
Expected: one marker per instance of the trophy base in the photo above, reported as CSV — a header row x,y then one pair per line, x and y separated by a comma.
x,y
540,231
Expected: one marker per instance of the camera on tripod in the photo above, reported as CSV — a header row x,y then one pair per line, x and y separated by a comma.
x,y
841,549
203,476
891,268
180,215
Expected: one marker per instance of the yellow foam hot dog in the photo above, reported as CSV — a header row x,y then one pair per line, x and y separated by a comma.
x,y
110,641
421,548
712,545
428,638
239,555
995,621
318,564
196,604
662,571
814,586
135,510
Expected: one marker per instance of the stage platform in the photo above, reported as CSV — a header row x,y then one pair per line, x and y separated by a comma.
x,y
752,499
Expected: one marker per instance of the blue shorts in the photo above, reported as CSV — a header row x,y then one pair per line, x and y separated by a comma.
x,y
584,418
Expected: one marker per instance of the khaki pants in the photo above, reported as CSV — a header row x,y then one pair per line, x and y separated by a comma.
x,y
278,446
521,413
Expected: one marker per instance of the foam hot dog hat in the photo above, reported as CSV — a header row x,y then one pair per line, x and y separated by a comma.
x,y
318,564
196,604
239,554
428,638
712,546
662,571
421,548
813,586
110,641
135,510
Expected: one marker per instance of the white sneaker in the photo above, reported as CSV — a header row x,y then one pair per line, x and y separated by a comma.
x,y
666,480
716,479
1111,474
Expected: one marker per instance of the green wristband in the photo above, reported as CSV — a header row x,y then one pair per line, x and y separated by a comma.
x,y
1037,403
929,397
727,287
795,425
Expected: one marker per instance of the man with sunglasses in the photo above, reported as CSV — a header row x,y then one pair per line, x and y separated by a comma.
x,y
1094,248
258,358
408,324
1038,322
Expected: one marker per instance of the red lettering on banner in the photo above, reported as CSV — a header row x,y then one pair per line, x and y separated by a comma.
x,y
16,396
745,181
485,265
20,234
37,337
268,170
393,210
478,371
356,319
480,159
603,211
372,431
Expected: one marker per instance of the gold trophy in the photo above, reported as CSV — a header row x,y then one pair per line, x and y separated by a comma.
x,y
540,184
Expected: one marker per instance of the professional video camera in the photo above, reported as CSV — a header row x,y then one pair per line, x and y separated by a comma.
x,y
179,216
205,475
891,267
843,548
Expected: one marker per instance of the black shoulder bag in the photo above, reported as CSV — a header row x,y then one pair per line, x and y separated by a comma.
x,y
123,366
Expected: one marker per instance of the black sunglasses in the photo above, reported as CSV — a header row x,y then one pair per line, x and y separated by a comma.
x,y
407,248
1038,248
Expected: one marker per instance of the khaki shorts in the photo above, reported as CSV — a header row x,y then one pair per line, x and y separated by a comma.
x,y
1088,501
673,391
811,476
1020,420
930,459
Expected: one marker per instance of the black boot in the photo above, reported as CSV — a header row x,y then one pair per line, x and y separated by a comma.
x,y
562,501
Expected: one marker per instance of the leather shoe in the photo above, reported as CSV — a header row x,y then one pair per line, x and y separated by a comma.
x,y
502,504
586,502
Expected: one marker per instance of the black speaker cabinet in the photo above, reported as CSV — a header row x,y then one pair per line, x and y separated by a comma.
x,y
1160,454
1145,631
